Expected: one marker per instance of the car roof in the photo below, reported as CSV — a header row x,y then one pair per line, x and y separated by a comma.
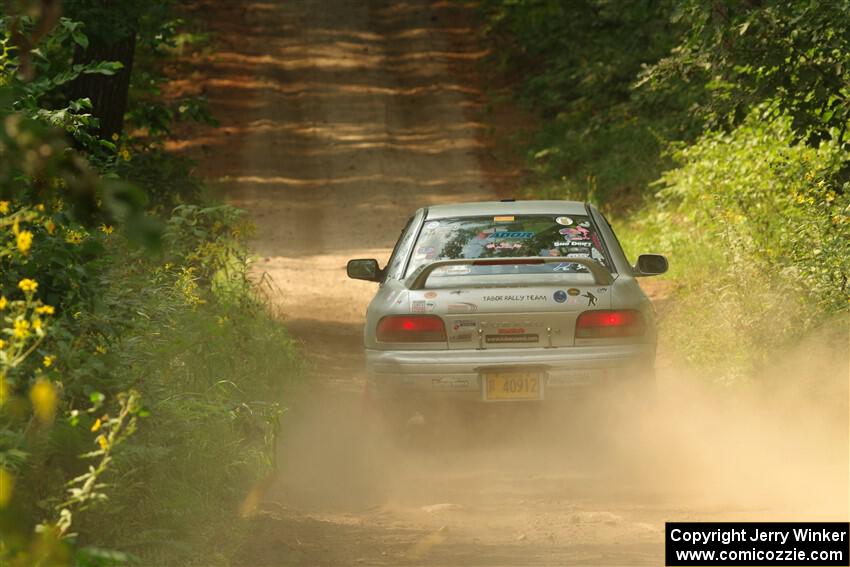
x,y
487,208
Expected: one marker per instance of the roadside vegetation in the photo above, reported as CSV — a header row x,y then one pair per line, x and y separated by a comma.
x,y
713,132
139,369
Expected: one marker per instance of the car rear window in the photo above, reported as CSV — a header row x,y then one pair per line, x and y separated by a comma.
x,y
566,236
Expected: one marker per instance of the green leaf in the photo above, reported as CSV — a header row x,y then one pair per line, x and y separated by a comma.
x,y
103,68
80,38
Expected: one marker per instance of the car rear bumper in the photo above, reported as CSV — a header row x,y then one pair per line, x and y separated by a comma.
x,y
457,374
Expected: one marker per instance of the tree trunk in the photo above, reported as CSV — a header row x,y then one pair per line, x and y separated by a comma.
x,y
108,93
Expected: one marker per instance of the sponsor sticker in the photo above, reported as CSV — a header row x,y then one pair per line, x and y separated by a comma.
x,y
560,296
574,243
506,234
576,233
450,383
461,337
451,270
504,218
573,291
564,221
423,306
529,297
457,270
523,338
503,246
461,323
462,307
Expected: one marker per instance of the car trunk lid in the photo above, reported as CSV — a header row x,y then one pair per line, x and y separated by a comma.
x,y
511,317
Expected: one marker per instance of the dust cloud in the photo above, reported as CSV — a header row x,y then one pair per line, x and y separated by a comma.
x,y
592,482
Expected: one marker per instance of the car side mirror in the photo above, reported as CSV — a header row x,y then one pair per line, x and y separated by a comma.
x,y
650,265
362,269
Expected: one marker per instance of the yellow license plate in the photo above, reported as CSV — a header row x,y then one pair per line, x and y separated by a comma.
x,y
512,386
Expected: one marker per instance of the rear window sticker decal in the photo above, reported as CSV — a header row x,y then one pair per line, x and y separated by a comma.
x,y
576,233
520,235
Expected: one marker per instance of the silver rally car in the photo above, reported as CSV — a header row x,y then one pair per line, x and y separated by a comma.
x,y
512,301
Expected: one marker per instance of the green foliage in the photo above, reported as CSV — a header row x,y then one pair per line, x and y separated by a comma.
x,y
735,55
138,392
152,20
39,93
600,140
758,230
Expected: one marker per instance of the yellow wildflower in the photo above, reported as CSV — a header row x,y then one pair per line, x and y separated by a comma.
x,y
101,440
4,207
28,285
48,361
44,399
24,241
2,345
46,310
125,154
100,350
39,207
3,302
36,324
96,425
21,328
73,237
106,228
50,226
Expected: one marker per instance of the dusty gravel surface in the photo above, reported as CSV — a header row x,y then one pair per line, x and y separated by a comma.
x,y
338,119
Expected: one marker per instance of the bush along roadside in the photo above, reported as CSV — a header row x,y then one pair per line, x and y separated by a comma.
x,y
758,226
714,132
141,376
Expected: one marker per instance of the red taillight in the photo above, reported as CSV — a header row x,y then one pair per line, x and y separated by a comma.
x,y
604,324
411,329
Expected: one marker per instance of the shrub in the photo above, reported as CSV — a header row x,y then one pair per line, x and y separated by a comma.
x,y
758,228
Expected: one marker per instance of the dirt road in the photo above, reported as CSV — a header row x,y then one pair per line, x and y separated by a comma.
x,y
339,118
